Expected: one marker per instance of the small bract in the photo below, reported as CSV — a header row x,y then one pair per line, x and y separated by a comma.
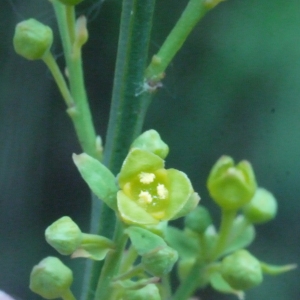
x,y
150,193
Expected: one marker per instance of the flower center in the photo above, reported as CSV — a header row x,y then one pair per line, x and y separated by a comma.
x,y
150,191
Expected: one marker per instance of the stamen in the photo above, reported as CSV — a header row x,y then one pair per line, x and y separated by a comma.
x,y
162,192
145,197
146,178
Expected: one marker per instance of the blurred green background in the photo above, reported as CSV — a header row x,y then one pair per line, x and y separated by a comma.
x,y
233,89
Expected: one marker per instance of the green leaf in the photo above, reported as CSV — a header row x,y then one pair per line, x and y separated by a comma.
x,y
242,235
99,178
143,240
187,246
219,284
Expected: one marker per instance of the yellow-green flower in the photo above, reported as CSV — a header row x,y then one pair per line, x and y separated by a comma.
x,y
149,192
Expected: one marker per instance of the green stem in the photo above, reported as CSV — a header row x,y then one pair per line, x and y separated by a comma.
x,y
192,14
70,17
111,265
131,273
242,227
59,79
225,229
68,296
128,108
192,282
80,112
166,286
203,247
129,259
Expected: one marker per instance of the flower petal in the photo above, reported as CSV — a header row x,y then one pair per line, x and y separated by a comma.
x,y
137,161
180,189
132,213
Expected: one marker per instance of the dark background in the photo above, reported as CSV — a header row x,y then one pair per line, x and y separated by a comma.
x,y
233,89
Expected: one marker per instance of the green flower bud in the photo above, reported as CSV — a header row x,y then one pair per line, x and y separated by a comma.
x,y
230,186
70,2
160,261
51,279
241,270
32,39
64,235
198,219
262,208
150,140
148,292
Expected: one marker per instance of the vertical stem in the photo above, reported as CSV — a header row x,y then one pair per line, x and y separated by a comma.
x,y
128,109
226,225
111,265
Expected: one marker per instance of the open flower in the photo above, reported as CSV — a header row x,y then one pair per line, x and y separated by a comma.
x,y
149,193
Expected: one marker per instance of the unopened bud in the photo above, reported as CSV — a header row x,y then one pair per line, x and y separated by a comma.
x,y
148,292
51,279
241,270
262,207
230,186
151,141
64,235
32,39
160,261
198,220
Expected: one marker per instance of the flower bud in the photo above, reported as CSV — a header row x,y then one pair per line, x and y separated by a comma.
x,y
50,279
198,219
64,235
262,208
148,292
32,39
241,270
231,186
160,261
150,140
70,2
